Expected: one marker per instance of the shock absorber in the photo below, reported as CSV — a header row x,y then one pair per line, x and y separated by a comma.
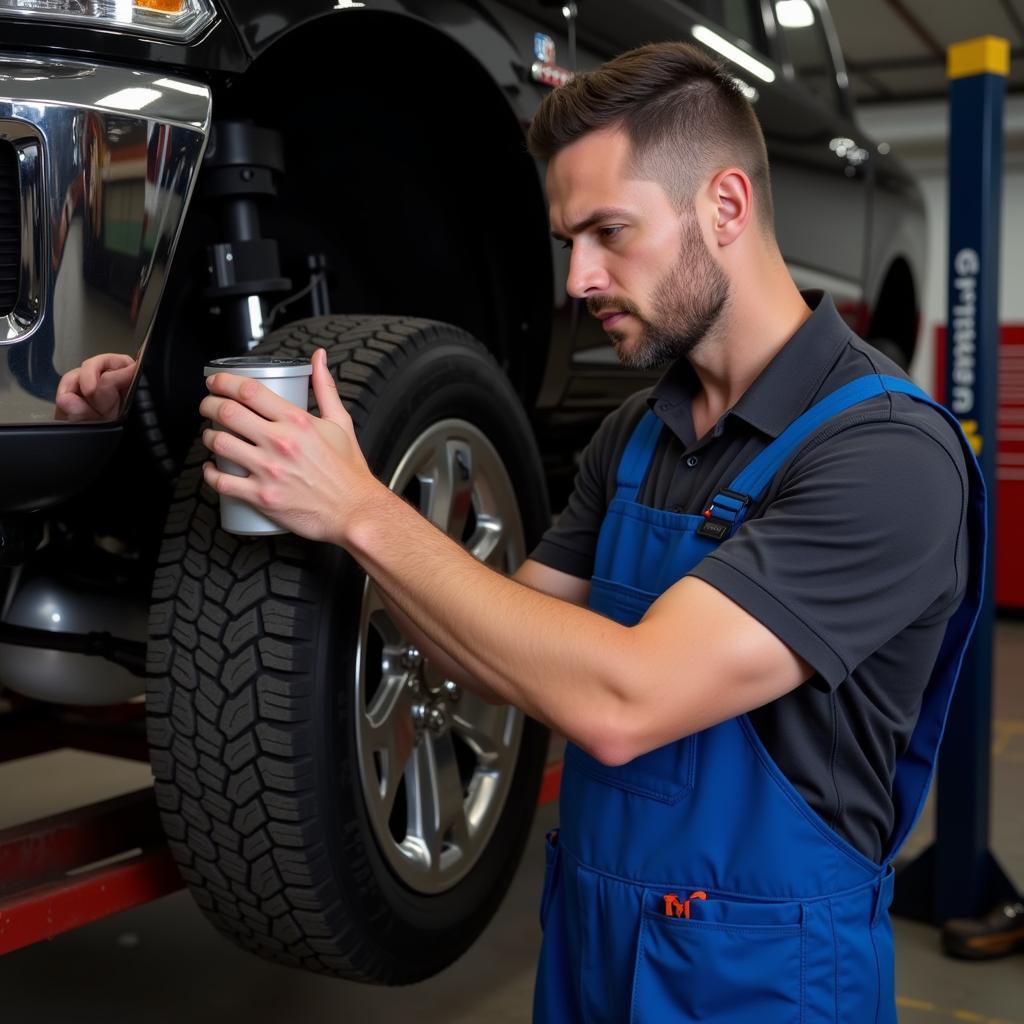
x,y
241,166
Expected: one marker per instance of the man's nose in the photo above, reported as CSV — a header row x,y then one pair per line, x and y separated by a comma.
x,y
587,275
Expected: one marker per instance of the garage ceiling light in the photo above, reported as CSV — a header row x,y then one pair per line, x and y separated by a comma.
x,y
794,13
732,52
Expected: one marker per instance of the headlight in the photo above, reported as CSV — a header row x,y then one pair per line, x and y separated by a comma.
x,y
177,19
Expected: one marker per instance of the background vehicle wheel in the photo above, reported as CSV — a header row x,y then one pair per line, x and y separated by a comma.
x,y
331,801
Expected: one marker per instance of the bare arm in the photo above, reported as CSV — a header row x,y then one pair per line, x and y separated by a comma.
x,y
532,574
695,659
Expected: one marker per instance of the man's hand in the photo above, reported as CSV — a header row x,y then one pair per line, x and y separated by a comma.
x,y
307,474
95,390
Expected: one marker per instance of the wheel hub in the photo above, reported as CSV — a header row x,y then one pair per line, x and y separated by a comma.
x,y
431,706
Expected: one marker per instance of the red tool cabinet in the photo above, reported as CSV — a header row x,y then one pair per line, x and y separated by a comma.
x,y
1009,547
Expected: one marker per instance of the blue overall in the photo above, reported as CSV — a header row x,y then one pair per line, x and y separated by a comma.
x,y
695,883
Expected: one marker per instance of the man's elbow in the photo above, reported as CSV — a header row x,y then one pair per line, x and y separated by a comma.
x,y
614,727
614,751
613,754
614,740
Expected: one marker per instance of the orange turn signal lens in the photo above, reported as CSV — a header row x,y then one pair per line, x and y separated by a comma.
x,y
162,6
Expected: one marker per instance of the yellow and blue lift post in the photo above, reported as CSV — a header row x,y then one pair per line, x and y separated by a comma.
x,y
957,876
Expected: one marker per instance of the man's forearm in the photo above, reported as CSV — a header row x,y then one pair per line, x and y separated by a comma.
x,y
559,663
430,650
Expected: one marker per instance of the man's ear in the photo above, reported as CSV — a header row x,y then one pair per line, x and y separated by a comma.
x,y
732,195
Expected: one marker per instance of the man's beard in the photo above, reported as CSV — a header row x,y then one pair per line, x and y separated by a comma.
x,y
685,305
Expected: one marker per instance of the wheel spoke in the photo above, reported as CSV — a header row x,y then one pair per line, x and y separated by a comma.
x,y
380,618
389,737
446,488
481,725
436,810
449,805
488,538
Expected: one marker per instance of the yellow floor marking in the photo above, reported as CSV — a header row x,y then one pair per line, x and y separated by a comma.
x,y
1004,732
905,1003
916,1004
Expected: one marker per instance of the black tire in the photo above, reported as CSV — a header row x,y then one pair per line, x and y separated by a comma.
x,y
253,718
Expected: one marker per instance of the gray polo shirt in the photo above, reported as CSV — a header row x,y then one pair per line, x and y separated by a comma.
x,y
855,558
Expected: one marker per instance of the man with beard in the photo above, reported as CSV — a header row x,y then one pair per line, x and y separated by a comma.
x,y
736,622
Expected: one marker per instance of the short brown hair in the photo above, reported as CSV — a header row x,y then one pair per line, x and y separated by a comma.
x,y
685,115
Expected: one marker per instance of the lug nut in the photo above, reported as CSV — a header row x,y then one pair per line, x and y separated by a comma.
x,y
437,719
451,690
412,658
419,714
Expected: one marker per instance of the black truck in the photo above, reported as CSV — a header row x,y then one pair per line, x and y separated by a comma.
x,y
189,179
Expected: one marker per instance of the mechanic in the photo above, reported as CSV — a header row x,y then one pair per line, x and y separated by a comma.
x,y
736,619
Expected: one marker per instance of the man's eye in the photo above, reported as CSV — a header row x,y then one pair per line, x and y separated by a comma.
x,y
611,231
567,244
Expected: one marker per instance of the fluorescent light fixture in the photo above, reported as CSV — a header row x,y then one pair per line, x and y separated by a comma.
x,y
130,99
794,13
255,317
732,52
179,86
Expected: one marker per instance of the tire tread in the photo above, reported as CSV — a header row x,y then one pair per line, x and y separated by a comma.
x,y
232,630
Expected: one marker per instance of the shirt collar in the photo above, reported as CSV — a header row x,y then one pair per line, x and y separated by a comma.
x,y
783,390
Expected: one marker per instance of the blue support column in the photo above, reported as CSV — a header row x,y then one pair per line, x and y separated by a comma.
x,y
958,876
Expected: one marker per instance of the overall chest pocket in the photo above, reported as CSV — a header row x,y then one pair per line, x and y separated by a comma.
x,y
743,963
666,774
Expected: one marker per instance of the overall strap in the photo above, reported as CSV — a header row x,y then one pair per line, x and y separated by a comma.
x,y
729,506
637,457
916,766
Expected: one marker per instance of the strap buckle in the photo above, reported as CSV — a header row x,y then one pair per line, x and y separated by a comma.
x,y
726,509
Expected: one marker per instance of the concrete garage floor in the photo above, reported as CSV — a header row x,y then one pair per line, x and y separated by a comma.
x,y
163,964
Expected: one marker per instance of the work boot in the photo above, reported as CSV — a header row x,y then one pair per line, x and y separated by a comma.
x,y
999,933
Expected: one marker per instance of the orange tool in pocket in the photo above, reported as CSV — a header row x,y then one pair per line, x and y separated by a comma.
x,y
675,908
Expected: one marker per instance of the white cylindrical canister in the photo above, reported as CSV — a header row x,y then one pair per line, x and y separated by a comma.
x,y
288,378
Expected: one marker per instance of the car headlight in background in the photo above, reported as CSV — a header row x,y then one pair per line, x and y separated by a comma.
x,y
175,19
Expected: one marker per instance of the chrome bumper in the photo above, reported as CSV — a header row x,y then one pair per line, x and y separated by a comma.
x,y
106,160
